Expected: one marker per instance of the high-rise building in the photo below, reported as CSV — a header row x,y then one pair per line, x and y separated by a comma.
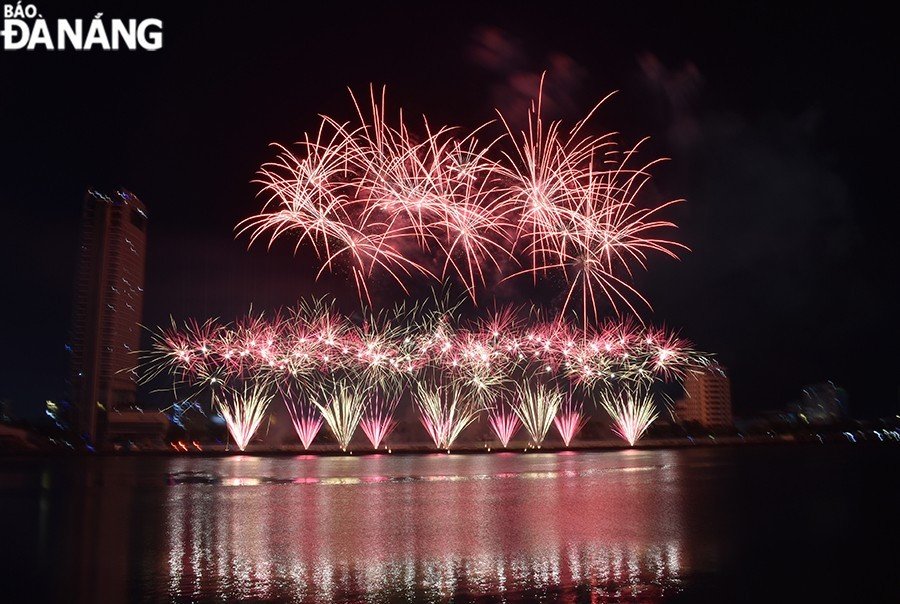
x,y
109,292
707,399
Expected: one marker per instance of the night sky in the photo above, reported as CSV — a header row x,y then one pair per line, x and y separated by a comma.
x,y
780,123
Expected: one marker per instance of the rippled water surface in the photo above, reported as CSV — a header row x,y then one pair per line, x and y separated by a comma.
x,y
734,524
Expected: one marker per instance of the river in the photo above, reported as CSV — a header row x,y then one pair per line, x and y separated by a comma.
x,y
752,523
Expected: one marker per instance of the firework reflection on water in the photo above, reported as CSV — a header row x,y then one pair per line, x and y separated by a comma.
x,y
509,524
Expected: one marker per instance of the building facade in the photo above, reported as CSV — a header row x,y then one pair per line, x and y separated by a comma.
x,y
707,400
108,303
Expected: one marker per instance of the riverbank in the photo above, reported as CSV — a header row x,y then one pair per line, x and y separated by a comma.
x,y
184,448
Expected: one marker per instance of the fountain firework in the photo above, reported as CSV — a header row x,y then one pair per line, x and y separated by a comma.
x,y
569,421
378,420
342,407
504,422
306,419
536,409
632,412
243,410
445,411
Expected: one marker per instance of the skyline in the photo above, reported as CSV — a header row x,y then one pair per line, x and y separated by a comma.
x,y
758,284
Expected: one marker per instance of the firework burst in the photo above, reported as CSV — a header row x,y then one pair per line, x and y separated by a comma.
x,y
441,204
387,352
578,213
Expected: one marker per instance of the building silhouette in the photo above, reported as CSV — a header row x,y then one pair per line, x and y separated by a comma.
x,y
109,293
707,399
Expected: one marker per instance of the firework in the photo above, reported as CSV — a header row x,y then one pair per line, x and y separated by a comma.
x,y
445,411
306,419
378,421
374,196
536,409
472,363
186,353
569,421
389,350
342,407
505,423
578,213
383,350
243,410
632,412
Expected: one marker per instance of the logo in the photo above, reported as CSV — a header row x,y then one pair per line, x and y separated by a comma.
x,y
24,28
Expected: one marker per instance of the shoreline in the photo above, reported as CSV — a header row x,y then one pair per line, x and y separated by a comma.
x,y
423,449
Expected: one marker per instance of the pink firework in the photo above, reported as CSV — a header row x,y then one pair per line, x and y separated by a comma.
x,y
441,204
505,423
577,196
307,421
291,349
569,422
378,421
307,428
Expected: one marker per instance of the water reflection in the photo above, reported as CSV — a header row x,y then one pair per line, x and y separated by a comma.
x,y
743,524
426,528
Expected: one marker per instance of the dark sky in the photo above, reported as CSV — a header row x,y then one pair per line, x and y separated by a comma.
x,y
781,126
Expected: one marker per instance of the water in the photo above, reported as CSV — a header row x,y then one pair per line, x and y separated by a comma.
x,y
776,523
